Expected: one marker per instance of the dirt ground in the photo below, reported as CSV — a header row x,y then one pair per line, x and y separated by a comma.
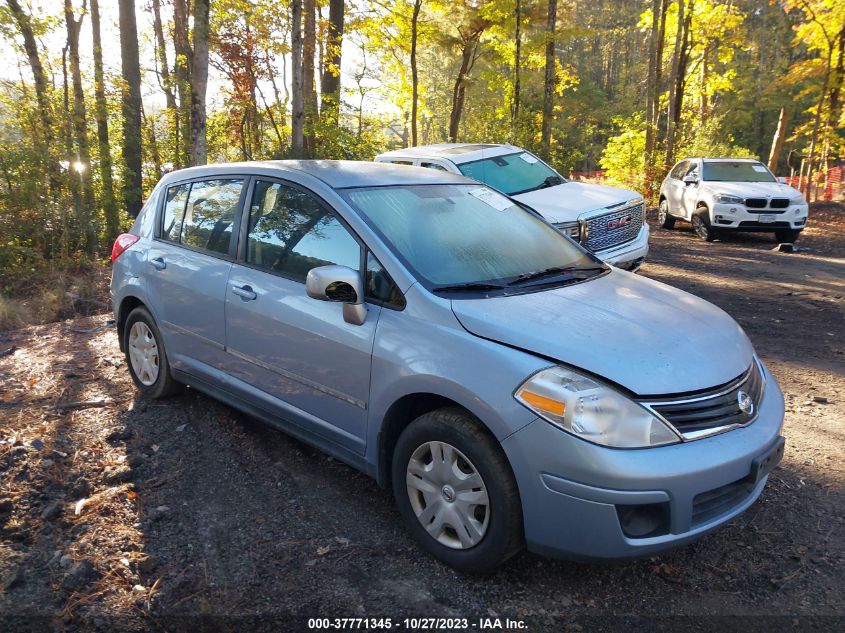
x,y
119,513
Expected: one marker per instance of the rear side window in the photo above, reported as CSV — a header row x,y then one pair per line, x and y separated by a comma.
x,y
433,166
210,213
291,232
174,211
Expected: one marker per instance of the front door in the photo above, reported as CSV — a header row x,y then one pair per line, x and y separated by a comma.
x,y
297,349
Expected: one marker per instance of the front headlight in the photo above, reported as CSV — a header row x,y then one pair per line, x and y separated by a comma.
x,y
592,411
797,200
723,198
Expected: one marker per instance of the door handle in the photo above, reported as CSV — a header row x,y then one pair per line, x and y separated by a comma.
x,y
158,263
245,292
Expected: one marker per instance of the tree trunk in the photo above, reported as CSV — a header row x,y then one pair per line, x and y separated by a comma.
x,y
777,141
309,91
297,113
330,80
549,81
182,71
415,81
469,50
199,83
82,168
131,107
30,45
166,79
817,123
673,81
517,41
101,114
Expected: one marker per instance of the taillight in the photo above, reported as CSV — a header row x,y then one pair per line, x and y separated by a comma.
x,y
123,241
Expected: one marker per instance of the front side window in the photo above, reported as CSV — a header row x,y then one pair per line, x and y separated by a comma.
x,y
679,170
380,287
210,213
290,232
513,173
465,234
740,171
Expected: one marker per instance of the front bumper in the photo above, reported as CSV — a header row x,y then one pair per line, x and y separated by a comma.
x,y
741,218
629,255
572,491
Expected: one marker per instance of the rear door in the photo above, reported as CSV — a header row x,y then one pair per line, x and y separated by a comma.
x,y
187,266
298,350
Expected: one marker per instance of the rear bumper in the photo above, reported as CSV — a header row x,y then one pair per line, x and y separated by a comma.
x,y
573,492
630,255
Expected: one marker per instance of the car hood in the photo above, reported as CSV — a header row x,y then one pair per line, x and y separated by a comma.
x,y
651,338
752,189
565,202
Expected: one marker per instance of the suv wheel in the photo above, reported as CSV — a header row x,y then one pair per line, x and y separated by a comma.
x,y
787,236
701,224
664,219
456,492
146,357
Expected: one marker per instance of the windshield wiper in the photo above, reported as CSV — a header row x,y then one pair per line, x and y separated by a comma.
x,y
468,287
556,270
550,181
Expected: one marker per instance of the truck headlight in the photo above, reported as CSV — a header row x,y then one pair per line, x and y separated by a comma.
x,y
723,198
592,411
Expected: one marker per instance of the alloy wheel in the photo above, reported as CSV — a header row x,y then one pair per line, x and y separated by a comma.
x,y
448,495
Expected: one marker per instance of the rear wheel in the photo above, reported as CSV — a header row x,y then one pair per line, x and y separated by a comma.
x,y
786,236
701,224
455,491
664,219
146,357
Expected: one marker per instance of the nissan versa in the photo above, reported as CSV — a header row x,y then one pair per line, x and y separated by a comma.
x,y
511,388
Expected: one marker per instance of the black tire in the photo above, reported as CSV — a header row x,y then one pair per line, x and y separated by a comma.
x,y
504,530
787,236
664,218
701,224
164,385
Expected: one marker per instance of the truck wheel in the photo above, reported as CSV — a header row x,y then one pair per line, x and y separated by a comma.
x,y
455,491
786,236
664,219
701,224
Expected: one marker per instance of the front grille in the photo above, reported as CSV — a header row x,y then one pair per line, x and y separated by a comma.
x,y
713,503
715,410
763,226
614,228
779,203
755,203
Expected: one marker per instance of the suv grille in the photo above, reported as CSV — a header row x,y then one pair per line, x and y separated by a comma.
x,y
755,203
716,410
614,228
779,203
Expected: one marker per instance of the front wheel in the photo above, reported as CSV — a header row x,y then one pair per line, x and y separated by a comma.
x,y
787,236
701,225
664,219
455,491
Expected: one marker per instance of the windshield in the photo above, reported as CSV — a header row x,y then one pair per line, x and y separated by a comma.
x,y
724,171
466,234
513,173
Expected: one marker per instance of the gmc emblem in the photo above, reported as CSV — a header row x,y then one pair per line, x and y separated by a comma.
x,y
619,223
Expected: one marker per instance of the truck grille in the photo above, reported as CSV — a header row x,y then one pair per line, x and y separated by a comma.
x,y
572,229
614,228
715,410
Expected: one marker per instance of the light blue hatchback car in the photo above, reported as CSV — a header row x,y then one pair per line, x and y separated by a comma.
x,y
511,388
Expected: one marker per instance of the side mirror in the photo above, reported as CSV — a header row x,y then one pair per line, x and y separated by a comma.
x,y
339,284
690,179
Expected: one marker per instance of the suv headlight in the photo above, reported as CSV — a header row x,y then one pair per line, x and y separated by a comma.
x,y
797,200
592,411
723,198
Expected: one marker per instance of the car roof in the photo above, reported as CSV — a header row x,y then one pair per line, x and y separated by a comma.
x,y
724,160
337,174
456,152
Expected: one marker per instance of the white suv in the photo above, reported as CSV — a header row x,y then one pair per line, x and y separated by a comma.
x,y
730,194
608,221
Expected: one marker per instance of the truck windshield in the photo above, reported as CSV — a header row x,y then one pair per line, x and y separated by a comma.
x,y
724,171
513,173
469,237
